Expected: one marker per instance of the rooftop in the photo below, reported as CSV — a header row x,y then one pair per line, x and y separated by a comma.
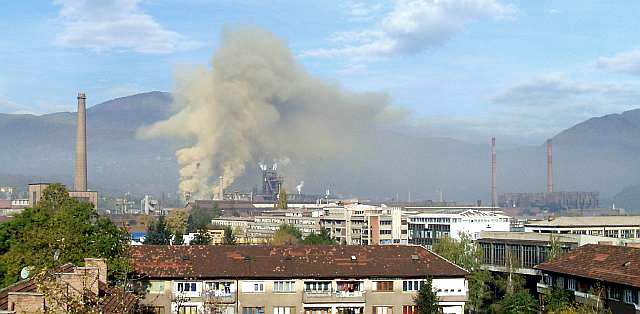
x,y
617,264
221,261
589,221
471,213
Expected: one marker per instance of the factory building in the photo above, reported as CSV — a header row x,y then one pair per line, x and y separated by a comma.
x,y
623,227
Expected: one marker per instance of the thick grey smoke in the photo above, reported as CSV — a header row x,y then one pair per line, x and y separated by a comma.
x,y
257,103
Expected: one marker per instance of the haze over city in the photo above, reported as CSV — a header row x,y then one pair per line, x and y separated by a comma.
x,y
331,157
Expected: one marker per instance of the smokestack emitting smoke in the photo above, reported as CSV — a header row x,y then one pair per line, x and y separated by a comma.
x,y
80,181
494,197
549,166
257,103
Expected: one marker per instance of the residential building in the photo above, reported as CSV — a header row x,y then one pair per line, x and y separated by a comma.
x,y
623,227
427,227
360,224
606,273
67,282
262,227
293,279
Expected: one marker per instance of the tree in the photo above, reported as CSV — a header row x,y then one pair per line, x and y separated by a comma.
x,y
520,302
200,218
467,255
177,220
59,229
158,233
282,199
556,247
558,300
229,237
178,238
427,300
323,238
287,235
201,238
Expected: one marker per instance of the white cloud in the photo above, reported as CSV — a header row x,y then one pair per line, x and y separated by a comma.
x,y
362,11
548,104
115,25
9,106
628,62
413,26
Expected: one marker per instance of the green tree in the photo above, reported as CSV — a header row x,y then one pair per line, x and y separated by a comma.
x,y
322,238
287,235
158,233
467,255
59,229
177,220
200,218
282,199
520,302
427,300
201,238
229,237
178,238
558,299
556,246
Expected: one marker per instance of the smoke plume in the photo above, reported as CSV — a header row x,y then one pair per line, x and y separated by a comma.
x,y
256,103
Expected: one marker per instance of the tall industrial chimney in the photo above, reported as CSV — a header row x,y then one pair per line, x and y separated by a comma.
x,y
494,195
549,166
81,146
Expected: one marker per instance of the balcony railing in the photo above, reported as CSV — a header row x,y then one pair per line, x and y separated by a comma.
x,y
334,296
219,296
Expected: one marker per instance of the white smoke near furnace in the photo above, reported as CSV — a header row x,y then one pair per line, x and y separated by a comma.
x,y
257,103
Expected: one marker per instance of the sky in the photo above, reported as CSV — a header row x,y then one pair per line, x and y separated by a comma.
x,y
468,69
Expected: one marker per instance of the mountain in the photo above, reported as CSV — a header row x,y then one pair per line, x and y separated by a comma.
x,y
600,154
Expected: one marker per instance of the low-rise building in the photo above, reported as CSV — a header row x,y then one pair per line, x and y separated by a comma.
x,y
427,227
294,279
625,227
610,274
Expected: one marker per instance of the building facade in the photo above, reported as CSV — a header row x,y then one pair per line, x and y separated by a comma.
x,y
603,274
294,279
427,227
623,227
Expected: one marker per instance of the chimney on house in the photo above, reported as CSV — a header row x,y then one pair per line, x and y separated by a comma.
x,y
81,146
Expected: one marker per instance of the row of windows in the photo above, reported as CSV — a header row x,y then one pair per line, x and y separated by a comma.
x,y
192,309
614,292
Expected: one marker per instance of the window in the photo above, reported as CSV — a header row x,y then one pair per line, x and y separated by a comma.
x,y
383,286
154,309
409,309
187,287
317,286
529,256
630,296
253,310
188,309
317,310
548,280
284,310
615,293
571,284
560,282
284,286
498,254
385,231
156,287
382,309
252,286
411,285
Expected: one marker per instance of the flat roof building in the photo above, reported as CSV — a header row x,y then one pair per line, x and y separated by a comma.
x,y
608,226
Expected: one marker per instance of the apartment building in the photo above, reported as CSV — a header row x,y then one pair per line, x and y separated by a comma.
x,y
427,227
261,228
293,279
607,274
360,224
623,227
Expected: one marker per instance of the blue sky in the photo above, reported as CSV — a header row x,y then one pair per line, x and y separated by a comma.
x,y
521,70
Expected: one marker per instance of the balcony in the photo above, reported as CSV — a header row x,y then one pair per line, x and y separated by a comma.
x,y
334,297
219,296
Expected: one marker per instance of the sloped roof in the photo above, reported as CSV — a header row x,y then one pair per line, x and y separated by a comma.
x,y
617,264
222,261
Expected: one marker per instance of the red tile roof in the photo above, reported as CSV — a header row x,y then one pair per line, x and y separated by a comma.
x,y
617,264
222,261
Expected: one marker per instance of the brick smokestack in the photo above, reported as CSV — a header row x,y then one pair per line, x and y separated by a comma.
x,y
494,195
549,166
81,146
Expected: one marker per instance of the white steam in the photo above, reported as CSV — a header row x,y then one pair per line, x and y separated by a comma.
x,y
257,103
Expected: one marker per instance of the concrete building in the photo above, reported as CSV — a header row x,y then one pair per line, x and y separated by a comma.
x,y
551,200
427,227
593,273
261,228
66,282
360,224
624,227
36,189
294,279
